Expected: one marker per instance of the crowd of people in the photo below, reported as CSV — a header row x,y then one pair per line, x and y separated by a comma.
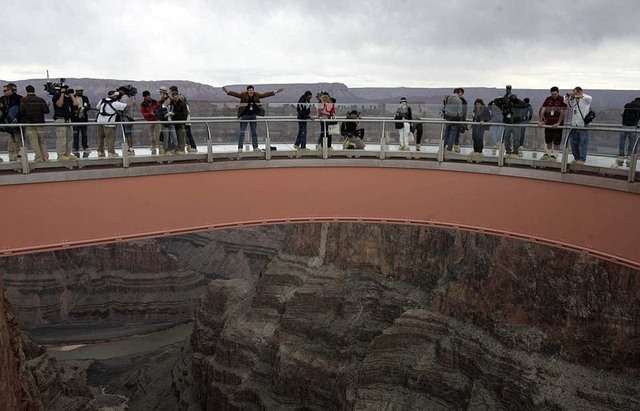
x,y
170,133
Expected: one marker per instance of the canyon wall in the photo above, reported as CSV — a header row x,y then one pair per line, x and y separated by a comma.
x,y
355,316
135,282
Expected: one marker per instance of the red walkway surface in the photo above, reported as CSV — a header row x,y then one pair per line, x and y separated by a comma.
x,y
56,215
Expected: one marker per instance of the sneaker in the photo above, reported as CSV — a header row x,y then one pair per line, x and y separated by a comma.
x,y
240,149
456,148
87,150
296,147
13,158
114,154
76,154
38,160
192,150
100,153
417,148
318,147
614,165
520,149
168,153
153,151
545,157
161,150
520,153
63,158
304,149
179,153
577,162
446,150
552,157
257,150
72,157
131,152
512,155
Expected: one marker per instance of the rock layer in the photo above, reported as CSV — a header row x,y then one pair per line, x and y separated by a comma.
x,y
380,317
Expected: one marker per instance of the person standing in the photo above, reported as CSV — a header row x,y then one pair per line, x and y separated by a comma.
x,y
148,109
552,115
188,136
496,130
304,114
463,127
527,115
180,113
248,110
10,108
326,112
107,111
481,114
403,113
64,104
165,112
630,118
33,109
80,115
451,111
578,105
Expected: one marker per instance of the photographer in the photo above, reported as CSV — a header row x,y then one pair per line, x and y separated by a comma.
x,y
578,107
80,115
64,104
127,94
513,112
108,109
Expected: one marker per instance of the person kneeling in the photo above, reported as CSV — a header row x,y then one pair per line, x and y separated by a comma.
x,y
353,135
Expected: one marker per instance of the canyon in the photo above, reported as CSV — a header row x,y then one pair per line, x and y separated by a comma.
x,y
332,316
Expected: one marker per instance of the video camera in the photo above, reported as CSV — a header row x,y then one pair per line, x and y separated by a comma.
x,y
129,90
54,88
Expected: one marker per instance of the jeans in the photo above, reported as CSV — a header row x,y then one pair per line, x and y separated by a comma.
x,y
243,127
169,133
630,133
496,134
511,136
579,140
301,138
450,133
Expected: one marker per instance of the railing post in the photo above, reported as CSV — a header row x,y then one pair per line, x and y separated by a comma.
x,y
325,141
441,144
24,159
565,151
383,142
633,160
501,147
267,143
125,148
209,144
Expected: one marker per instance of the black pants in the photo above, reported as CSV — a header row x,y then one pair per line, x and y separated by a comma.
x,y
477,134
77,131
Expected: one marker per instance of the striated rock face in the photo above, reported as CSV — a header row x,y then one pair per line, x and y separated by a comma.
x,y
386,317
132,282
29,379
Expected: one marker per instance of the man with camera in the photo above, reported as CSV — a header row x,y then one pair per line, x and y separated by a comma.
x,y
578,108
108,109
64,104
80,115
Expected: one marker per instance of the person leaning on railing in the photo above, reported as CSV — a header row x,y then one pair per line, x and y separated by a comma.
x,y
33,109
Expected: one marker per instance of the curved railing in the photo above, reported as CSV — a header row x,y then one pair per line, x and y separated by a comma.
x,y
221,144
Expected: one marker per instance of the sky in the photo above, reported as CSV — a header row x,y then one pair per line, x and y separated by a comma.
x,y
374,43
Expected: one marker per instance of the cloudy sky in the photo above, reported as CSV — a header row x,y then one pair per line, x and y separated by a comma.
x,y
373,43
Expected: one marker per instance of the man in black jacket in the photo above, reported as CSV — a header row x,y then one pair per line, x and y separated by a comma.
x,y
630,117
304,113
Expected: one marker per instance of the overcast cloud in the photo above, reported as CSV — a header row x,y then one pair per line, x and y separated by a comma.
x,y
374,43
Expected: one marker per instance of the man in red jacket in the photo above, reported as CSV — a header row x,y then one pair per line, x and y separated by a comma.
x,y
148,109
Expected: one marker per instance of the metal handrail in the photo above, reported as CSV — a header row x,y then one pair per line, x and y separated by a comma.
x,y
384,144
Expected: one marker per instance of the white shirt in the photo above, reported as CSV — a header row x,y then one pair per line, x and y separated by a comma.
x,y
109,109
577,106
